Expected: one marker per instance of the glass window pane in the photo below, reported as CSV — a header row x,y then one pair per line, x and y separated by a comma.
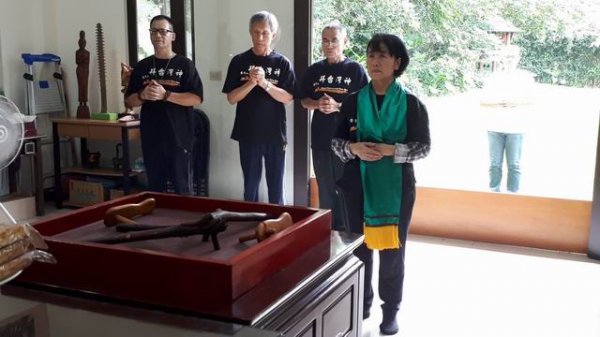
x,y
474,135
146,10
189,29
511,87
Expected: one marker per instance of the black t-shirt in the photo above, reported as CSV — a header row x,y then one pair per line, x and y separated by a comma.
x,y
165,121
259,118
337,80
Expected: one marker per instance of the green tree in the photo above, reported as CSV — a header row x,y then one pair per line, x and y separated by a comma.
x,y
444,38
559,41
363,19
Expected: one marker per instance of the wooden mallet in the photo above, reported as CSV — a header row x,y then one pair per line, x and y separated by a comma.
x,y
124,213
267,228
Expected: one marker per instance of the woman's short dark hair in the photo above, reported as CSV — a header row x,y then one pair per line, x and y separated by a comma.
x,y
162,17
395,47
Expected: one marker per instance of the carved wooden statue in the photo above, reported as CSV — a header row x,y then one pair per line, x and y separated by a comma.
x,y
82,58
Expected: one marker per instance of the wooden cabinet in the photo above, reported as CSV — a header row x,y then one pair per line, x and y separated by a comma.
x,y
328,306
312,289
85,129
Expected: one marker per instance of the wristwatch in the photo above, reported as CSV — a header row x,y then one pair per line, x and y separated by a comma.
x,y
167,94
268,86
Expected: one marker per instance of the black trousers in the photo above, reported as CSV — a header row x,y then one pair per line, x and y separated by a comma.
x,y
391,275
166,161
328,169
391,261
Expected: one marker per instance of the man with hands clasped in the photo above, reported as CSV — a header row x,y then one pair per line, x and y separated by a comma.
x,y
261,81
167,86
324,86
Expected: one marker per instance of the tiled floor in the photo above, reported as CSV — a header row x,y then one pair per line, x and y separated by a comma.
x,y
466,289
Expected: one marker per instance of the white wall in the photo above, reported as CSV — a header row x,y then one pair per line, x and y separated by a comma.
x,y
73,16
52,26
26,26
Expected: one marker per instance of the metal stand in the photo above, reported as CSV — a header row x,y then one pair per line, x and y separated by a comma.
x,y
46,100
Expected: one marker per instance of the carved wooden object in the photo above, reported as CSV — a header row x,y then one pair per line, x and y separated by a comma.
x,y
82,58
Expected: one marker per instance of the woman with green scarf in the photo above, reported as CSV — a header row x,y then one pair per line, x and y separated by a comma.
x,y
383,129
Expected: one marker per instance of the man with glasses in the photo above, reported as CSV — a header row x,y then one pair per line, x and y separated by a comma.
x,y
324,87
167,86
261,81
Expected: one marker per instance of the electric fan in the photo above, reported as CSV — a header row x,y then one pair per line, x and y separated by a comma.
x,y
14,259
11,137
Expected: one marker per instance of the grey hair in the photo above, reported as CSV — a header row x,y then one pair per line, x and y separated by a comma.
x,y
335,24
268,17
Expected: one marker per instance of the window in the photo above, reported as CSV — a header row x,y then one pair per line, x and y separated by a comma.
x,y
553,206
487,76
139,14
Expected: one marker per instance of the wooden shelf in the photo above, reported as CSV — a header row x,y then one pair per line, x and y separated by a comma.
x,y
96,129
85,129
101,171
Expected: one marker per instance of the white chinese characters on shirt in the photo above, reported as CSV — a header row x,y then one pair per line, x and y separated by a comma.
x,y
332,84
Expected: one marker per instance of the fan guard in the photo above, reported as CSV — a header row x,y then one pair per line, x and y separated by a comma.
x,y
11,131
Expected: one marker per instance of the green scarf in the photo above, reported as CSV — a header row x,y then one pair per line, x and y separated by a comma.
x,y
382,179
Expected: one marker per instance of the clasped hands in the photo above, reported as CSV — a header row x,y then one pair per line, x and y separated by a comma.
x,y
153,92
327,104
256,76
369,151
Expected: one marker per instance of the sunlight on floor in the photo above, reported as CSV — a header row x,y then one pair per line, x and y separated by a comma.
x,y
459,288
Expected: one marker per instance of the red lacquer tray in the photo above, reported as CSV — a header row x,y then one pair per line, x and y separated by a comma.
x,y
184,273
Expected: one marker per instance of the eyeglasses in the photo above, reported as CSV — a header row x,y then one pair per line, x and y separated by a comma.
x,y
162,32
333,43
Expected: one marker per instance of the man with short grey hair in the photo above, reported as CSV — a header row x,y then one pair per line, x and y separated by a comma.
x,y
324,87
261,82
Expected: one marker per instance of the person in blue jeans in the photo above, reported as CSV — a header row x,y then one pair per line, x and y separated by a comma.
x,y
507,102
501,143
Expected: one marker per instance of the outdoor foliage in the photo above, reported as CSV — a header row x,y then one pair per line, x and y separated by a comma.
x,y
559,40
